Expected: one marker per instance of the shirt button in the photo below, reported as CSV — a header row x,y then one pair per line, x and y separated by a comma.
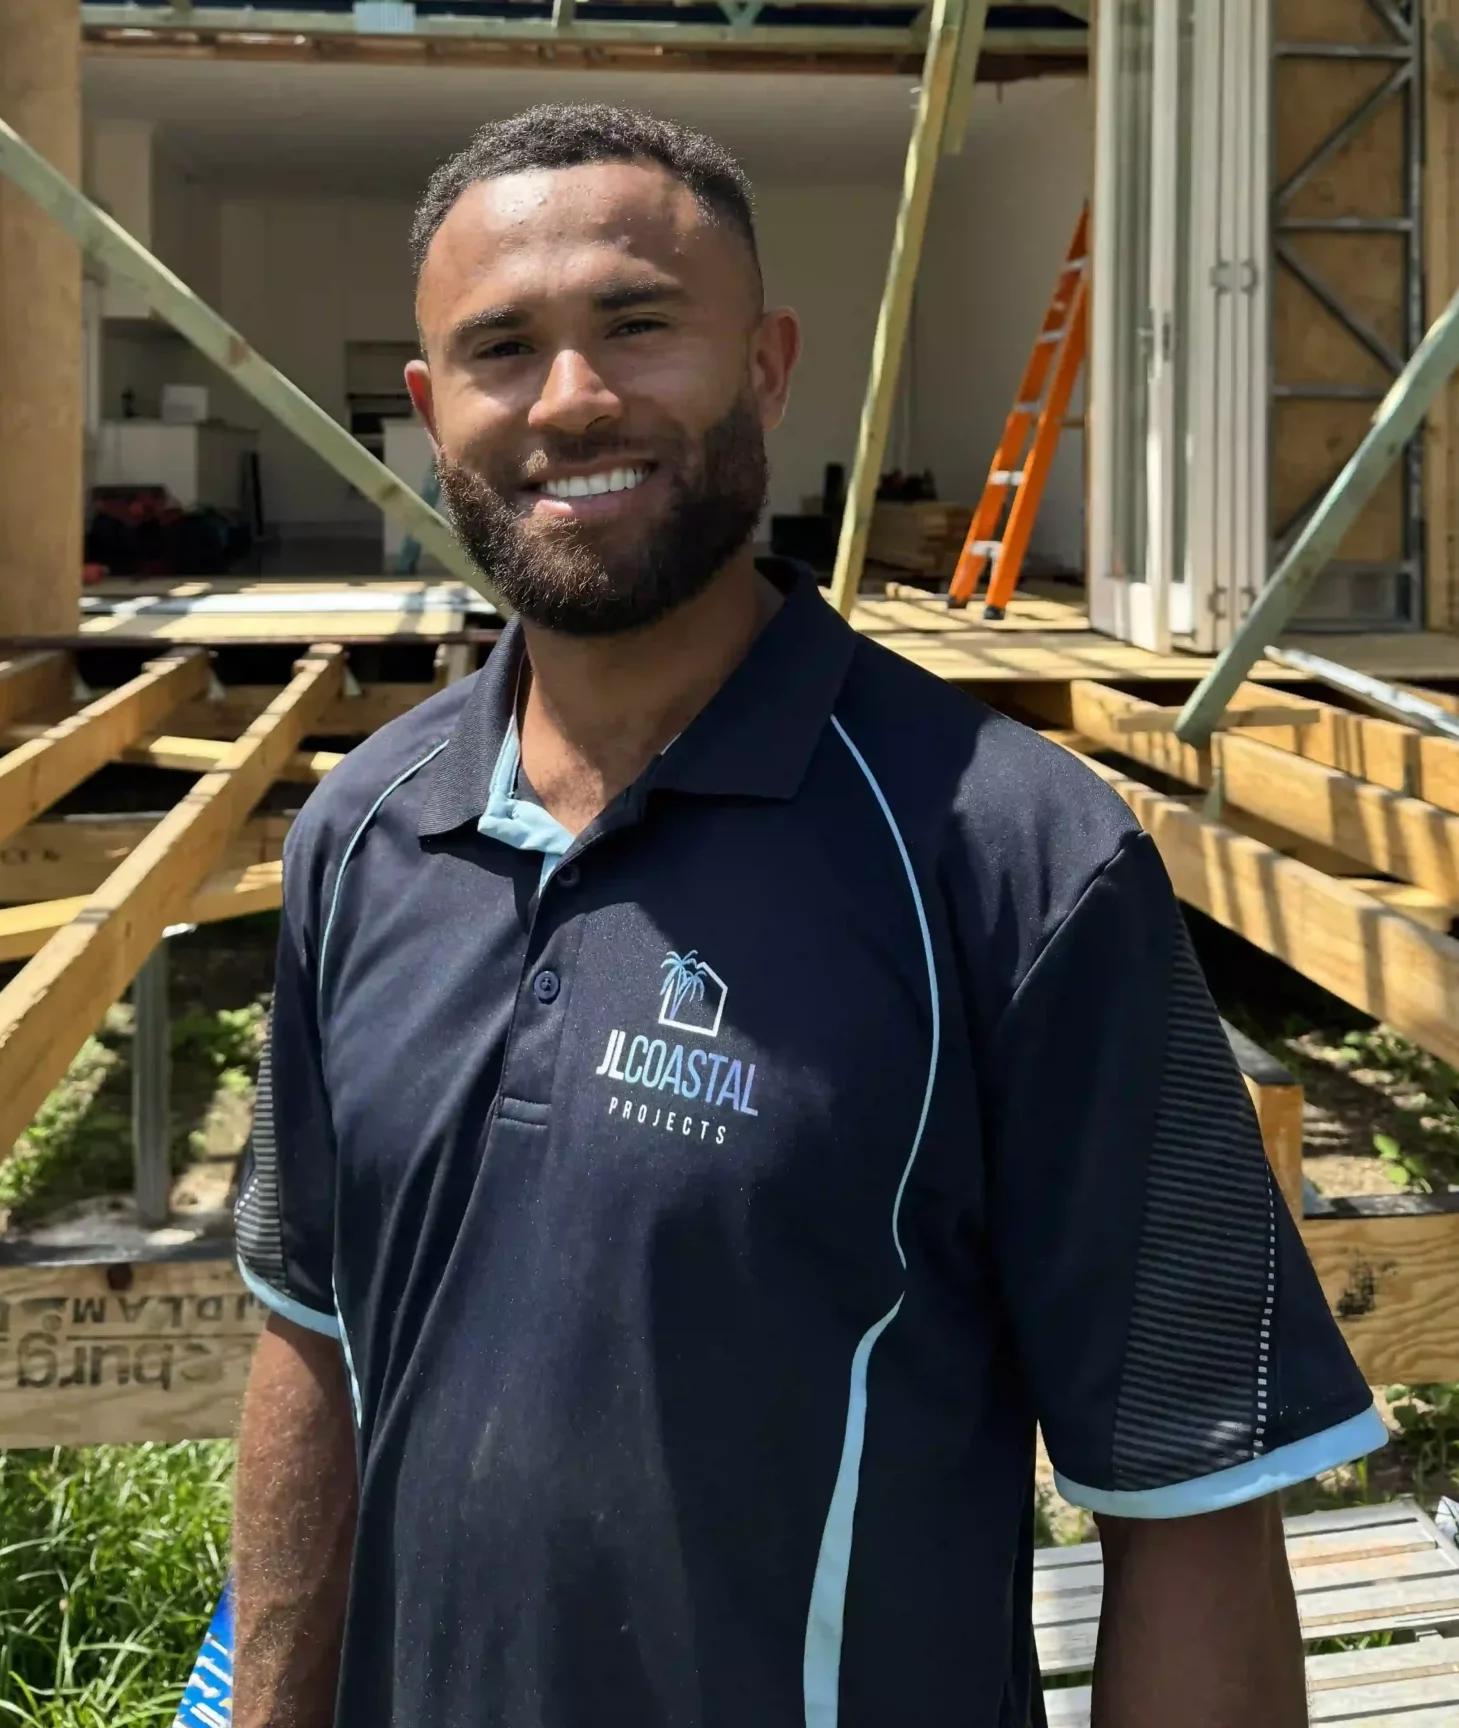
x,y
546,986
569,875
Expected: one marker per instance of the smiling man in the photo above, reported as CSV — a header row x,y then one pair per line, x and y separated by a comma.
x,y
725,1089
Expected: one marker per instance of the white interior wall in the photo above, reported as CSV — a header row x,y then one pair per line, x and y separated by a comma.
x,y
302,276
1002,218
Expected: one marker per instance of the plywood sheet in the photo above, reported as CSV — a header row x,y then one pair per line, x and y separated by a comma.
x,y
1312,442
124,1352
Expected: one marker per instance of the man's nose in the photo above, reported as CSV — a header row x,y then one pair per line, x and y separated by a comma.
x,y
574,397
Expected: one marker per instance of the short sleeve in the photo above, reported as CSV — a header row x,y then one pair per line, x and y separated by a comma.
x,y
284,1218
1179,1350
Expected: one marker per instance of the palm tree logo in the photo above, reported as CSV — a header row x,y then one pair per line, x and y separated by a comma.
x,y
687,982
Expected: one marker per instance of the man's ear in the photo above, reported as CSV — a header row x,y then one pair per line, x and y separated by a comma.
x,y
418,383
776,350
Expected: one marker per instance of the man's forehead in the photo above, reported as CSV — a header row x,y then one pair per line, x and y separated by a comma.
x,y
617,204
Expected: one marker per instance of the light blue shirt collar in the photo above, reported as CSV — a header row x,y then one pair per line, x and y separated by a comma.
x,y
517,821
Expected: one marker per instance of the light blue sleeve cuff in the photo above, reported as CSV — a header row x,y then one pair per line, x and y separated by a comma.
x,y
1298,1462
311,1318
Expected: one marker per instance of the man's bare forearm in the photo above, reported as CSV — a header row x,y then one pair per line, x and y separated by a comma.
x,y
293,1531
1199,1624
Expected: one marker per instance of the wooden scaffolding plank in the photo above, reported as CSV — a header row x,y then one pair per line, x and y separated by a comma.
x,y
1379,961
34,681
60,996
1388,833
36,774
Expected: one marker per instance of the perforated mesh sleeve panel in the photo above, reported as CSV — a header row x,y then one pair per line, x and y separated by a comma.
x,y
1194,1394
256,1220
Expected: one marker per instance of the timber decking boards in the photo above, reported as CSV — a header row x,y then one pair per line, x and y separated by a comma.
x,y
1046,638
1364,1569
235,609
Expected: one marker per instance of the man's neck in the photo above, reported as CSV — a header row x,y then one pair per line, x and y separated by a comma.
x,y
600,708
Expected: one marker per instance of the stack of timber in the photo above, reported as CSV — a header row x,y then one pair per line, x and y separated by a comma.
x,y
923,538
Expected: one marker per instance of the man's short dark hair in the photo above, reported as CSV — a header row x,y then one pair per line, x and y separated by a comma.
x,y
568,135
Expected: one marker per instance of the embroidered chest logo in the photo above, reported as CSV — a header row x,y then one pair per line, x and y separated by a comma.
x,y
693,996
691,999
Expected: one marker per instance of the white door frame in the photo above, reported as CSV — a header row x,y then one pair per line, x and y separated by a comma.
x,y
1218,329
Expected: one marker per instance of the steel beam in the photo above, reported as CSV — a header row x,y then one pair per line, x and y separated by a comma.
x,y
151,1090
567,25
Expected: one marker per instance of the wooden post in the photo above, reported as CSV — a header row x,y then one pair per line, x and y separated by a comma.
x,y
1276,1096
1441,250
40,333
110,243
955,33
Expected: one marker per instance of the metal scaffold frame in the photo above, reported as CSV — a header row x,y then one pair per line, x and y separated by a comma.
x,y
1403,51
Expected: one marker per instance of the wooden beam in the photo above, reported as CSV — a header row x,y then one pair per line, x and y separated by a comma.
x,y
60,996
1384,751
1276,1096
59,859
195,755
1380,962
120,1351
1393,1282
236,891
34,681
349,717
951,21
1388,833
34,776
1416,903
42,393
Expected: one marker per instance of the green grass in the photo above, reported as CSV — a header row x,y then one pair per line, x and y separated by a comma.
x,y
80,1143
111,1560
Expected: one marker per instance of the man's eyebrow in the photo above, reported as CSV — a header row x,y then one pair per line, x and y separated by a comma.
x,y
494,319
499,320
648,292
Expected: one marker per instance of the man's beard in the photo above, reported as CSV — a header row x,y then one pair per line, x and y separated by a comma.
x,y
554,576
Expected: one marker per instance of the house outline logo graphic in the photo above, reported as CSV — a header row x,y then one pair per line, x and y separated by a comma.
x,y
690,983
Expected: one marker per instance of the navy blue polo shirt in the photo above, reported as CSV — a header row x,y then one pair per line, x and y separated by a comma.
x,y
710,1205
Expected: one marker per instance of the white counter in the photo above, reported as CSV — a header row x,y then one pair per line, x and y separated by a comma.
x,y
199,465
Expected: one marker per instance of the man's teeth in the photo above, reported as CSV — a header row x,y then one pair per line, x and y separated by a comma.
x,y
594,485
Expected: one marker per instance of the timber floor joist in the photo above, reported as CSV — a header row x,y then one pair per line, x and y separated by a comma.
x,y
85,899
1326,836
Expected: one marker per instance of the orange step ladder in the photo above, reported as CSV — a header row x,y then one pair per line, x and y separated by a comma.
x,y
1020,468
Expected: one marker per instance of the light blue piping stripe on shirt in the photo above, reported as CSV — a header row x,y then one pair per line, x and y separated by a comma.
x,y
349,1363
1299,1461
355,839
310,1318
825,1622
